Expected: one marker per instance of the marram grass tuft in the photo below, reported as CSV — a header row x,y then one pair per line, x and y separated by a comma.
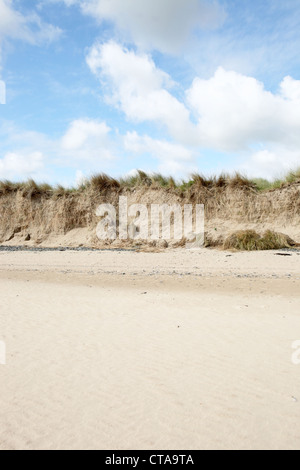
x,y
249,240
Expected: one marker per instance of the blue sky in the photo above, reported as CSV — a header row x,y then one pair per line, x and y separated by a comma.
x,y
173,86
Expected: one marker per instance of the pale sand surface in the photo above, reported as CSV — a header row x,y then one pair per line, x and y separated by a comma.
x,y
175,350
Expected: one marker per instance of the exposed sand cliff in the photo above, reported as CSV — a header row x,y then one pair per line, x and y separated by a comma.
x,y
69,218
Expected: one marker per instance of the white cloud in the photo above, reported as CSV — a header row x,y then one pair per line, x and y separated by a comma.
x,y
86,145
157,24
21,166
172,158
80,178
274,162
235,111
290,89
83,133
29,28
139,88
160,148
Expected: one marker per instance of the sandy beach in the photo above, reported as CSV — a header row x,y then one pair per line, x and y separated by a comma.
x,y
184,349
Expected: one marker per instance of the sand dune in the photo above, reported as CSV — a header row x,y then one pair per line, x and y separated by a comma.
x,y
34,216
118,350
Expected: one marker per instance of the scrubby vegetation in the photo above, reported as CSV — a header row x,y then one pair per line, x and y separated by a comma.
x,y
103,182
265,185
250,240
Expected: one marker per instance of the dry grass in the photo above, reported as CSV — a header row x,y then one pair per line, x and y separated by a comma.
x,y
221,181
293,176
197,183
139,179
197,188
162,181
103,182
249,240
7,186
29,188
241,182
236,181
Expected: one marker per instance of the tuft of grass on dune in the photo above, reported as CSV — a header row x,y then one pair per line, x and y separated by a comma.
x,y
293,176
31,189
243,240
249,240
163,181
236,181
262,184
240,181
7,186
60,191
139,179
103,182
28,188
200,181
275,240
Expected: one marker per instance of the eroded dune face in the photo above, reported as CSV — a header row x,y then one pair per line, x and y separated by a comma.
x,y
70,218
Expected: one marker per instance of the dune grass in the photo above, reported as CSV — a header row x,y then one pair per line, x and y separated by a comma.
x,y
102,182
291,177
249,240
